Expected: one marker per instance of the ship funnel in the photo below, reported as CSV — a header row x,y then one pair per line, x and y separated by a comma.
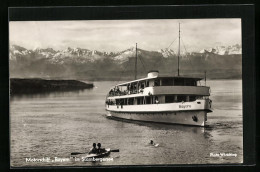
x,y
153,74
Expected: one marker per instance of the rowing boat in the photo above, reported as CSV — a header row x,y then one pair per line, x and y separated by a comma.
x,y
95,155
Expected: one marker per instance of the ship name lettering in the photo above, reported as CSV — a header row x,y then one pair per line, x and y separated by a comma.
x,y
184,106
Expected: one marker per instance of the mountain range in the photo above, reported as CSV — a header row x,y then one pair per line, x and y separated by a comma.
x,y
219,62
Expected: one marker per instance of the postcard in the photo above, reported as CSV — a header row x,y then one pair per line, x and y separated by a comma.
x,y
125,92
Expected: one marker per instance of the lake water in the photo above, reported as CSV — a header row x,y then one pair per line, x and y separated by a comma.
x,y
56,124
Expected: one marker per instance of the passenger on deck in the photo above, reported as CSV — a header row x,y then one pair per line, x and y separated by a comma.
x,y
94,149
156,100
99,149
111,92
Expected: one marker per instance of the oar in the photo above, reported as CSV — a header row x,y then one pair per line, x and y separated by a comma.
x,y
76,153
115,150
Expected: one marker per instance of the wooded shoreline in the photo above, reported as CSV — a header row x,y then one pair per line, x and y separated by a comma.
x,y
20,86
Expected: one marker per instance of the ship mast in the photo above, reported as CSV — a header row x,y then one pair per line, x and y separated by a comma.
x,y
136,61
179,52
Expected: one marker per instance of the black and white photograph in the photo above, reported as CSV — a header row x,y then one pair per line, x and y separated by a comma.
x,y
125,92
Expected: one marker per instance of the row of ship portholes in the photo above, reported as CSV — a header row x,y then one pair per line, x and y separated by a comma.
x,y
174,113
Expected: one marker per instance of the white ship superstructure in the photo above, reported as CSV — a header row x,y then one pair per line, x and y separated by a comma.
x,y
165,99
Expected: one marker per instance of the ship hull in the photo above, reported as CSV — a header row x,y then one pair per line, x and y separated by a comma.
x,y
185,113
194,118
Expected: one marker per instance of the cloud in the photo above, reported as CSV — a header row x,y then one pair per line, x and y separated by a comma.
x,y
117,35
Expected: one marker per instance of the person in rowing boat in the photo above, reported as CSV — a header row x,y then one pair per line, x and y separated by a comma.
x,y
99,149
94,149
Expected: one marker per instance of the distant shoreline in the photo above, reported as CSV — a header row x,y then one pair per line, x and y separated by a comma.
x,y
114,79
38,85
131,78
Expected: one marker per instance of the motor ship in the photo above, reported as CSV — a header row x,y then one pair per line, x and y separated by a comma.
x,y
161,99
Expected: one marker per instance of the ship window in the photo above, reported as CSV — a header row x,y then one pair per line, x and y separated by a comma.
x,y
134,88
148,100
142,100
142,85
156,82
139,100
167,82
123,101
190,82
181,98
199,97
169,99
147,83
179,82
192,98
111,102
119,101
130,101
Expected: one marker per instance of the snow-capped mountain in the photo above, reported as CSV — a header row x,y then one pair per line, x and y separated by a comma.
x,y
77,55
17,51
48,52
81,56
167,52
125,55
85,63
224,50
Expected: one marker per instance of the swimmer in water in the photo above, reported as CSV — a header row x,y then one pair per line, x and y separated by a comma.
x,y
152,143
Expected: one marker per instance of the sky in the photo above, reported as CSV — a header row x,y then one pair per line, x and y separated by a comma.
x,y
118,35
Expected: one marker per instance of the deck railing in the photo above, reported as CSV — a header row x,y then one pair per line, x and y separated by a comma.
x,y
122,93
197,90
